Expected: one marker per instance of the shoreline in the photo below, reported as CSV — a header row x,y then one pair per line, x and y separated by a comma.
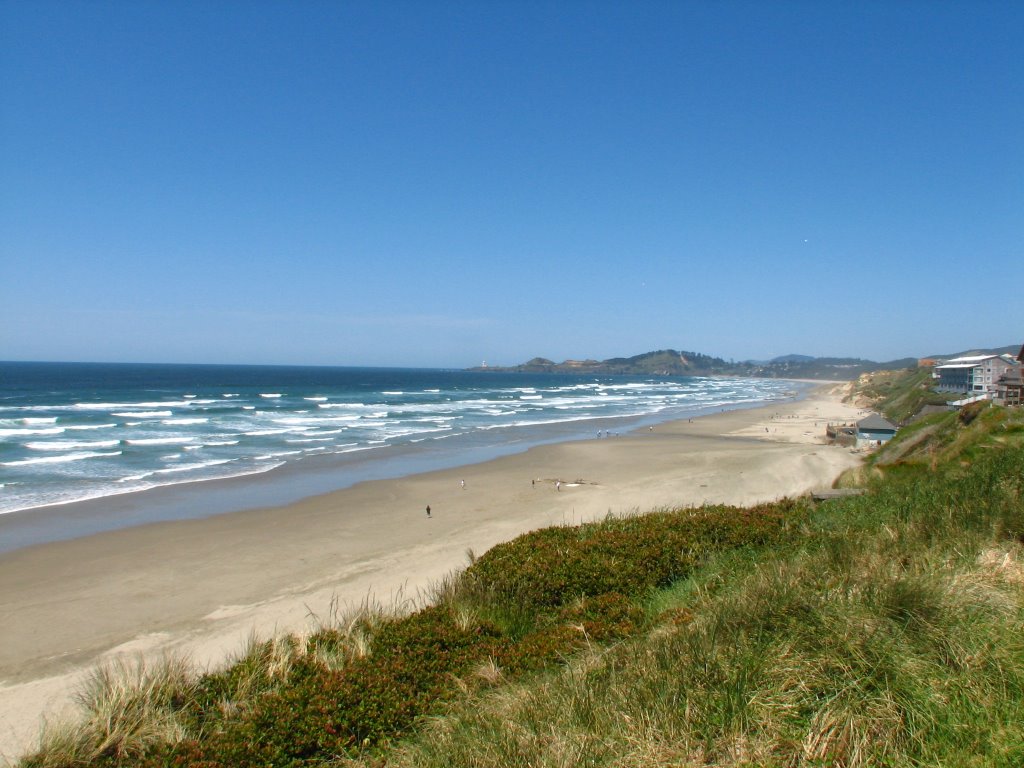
x,y
291,483
200,587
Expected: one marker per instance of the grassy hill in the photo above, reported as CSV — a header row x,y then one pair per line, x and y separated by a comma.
x,y
901,395
883,629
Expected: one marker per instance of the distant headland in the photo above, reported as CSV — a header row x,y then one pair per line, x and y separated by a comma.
x,y
669,362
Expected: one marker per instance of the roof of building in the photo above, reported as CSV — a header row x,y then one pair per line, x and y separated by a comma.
x,y
874,423
971,359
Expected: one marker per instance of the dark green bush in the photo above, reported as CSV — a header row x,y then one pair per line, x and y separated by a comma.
x,y
324,713
555,566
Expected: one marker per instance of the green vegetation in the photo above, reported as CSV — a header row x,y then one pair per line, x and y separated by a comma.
x,y
901,394
884,629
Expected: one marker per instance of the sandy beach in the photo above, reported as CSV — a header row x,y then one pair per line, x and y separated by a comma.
x,y
201,588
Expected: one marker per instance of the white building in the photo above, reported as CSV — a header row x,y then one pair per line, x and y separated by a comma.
x,y
976,374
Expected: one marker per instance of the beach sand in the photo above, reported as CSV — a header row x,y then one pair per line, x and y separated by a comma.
x,y
202,588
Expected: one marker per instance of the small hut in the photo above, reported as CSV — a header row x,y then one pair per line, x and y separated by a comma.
x,y
874,429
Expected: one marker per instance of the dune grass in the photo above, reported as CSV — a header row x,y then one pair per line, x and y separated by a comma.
x,y
887,638
884,629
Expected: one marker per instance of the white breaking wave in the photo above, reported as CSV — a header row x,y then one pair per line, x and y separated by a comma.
x,y
130,406
62,459
21,432
143,414
161,441
70,445
278,454
190,467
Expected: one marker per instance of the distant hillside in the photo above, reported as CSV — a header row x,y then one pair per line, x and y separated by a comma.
x,y
669,362
1013,349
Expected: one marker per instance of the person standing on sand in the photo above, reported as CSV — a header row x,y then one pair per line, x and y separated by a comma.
x,y
428,510
463,483
558,485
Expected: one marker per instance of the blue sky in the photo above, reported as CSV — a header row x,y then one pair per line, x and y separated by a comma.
x,y
440,183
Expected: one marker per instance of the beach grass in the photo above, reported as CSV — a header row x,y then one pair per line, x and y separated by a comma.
x,y
883,629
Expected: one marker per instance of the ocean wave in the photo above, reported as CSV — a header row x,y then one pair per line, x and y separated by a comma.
x,y
70,445
88,426
535,423
130,406
139,441
278,454
143,414
358,448
171,422
318,399
350,406
190,467
62,459
24,431
127,485
270,395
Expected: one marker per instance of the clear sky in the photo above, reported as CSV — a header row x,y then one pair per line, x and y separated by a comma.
x,y
440,183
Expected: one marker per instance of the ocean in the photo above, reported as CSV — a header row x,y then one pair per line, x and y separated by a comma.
x,y
88,447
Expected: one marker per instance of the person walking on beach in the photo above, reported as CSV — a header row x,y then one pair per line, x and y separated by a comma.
x,y
558,485
463,483
428,510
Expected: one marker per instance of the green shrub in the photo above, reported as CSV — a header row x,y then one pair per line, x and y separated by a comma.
x,y
552,567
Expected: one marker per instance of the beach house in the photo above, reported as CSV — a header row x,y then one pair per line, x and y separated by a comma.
x,y
1010,386
874,430
974,374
